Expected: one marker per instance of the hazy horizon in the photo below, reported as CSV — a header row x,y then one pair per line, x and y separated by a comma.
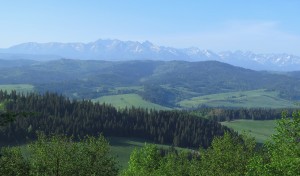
x,y
261,27
215,51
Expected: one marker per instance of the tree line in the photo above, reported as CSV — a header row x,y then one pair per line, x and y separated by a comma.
x,y
228,155
60,155
53,113
228,114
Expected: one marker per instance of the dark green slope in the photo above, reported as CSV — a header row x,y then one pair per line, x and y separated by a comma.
x,y
164,83
56,114
211,77
206,77
201,76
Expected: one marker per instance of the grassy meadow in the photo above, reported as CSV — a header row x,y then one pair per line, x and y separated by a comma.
x,y
1,106
122,147
128,100
260,129
250,99
21,88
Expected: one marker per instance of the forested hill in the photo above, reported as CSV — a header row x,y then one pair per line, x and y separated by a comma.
x,y
57,114
164,83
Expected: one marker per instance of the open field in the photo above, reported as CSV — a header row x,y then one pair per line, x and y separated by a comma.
x,y
137,88
255,98
128,100
22,88
122,148
260,129
1,106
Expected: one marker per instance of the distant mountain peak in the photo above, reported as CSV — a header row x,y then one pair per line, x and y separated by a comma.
x,y
147,43
114,49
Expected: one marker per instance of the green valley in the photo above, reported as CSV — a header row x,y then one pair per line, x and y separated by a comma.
x,y
172,84
128,100
21,88
247,99
261,130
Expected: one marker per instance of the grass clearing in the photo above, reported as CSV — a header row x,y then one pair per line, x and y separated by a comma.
x,y
260,129
251,99
122,147
128,100
1,106
20,88
137,88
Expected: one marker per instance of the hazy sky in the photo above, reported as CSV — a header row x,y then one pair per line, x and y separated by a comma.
x,y
262,26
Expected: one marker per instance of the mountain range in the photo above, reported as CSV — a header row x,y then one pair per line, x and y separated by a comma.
x,y
117,50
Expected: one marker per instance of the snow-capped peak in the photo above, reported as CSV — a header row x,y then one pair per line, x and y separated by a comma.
x,y
131,50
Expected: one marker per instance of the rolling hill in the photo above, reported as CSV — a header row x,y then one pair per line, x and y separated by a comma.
x,y
165,83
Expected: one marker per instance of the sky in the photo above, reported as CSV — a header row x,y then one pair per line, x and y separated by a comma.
x,y
261,26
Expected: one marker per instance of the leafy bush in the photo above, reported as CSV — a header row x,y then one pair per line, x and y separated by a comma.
x,y
59,155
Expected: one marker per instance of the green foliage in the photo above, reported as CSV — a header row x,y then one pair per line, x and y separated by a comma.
x,y
175,164
282,156
228,155
144,161
57,114
7,117
12,162
59,155
122,147
149,161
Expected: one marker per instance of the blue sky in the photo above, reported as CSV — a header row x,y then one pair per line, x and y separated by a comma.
x,y
262,26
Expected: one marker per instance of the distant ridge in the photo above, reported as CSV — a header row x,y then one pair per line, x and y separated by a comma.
x,y
117,50
167,83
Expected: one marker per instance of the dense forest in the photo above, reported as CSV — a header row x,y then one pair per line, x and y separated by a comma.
x,y
68,140
228,114
228,155
54,113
